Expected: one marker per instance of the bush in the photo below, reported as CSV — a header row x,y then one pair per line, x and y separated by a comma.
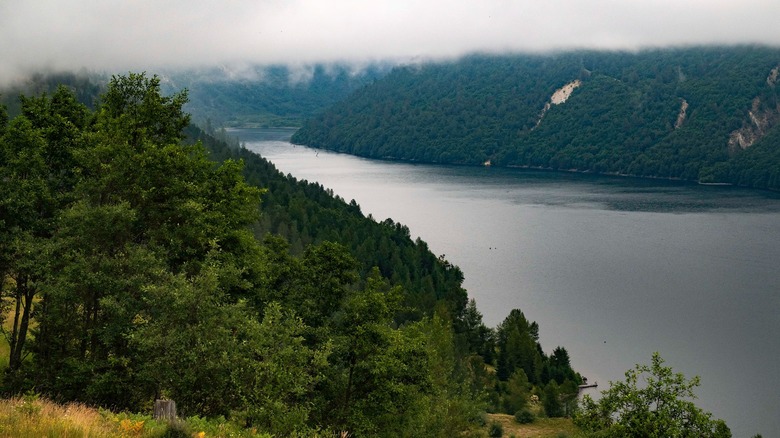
x,y
178,429
524,416
496,430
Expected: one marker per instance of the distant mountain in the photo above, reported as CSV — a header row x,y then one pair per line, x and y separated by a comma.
x,y
250,96
85,85
707,114
260,96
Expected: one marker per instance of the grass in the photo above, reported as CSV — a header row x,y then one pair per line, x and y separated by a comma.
x,y
7,319
31,417
540,428
5,353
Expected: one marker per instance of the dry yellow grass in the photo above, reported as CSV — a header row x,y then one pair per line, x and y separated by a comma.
x,y
29,417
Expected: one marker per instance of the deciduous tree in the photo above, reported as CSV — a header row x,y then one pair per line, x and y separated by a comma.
x,y
653,401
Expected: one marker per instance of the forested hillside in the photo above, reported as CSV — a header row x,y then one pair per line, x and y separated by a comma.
x,y
699,114
305,213
267,95
136,265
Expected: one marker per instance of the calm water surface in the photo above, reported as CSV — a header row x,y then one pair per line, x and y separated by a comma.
x,y
612,269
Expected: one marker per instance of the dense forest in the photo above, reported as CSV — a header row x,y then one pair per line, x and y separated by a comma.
x,y
143,257
707,114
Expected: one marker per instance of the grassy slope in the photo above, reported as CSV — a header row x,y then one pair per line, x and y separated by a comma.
x,y
540,428
32,417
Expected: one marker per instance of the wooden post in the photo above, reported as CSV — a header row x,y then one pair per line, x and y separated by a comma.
x,y
165,410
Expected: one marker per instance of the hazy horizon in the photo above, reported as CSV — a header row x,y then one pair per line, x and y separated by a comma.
x,y
143,35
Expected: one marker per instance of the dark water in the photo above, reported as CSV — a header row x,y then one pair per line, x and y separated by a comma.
x,y
612,269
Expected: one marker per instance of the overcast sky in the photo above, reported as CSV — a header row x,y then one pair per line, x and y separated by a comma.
x,y
122,35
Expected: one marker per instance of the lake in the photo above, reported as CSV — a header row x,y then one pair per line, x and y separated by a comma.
x,y
613,269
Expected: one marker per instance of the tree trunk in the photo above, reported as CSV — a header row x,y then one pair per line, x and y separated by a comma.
x,y
24,299
165,410
15,332
348,395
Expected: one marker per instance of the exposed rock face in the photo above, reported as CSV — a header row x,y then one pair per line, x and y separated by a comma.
x,y
681,116
771,80
680,75
560,96
760,121
761,118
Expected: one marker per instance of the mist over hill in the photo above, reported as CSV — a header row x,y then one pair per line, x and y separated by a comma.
x,y
267,96
240,95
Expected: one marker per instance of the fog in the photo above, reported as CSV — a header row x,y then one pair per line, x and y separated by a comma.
x,y
119,36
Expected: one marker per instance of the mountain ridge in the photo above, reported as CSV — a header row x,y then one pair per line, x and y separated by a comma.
x,y
665,113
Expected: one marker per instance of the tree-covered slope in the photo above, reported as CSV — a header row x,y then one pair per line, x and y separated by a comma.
x,y
305,213
701,114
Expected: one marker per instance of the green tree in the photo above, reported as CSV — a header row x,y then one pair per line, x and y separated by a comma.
x,y
189,333
186,204
37,173
278,377
93,289
473,336
662,407
134,109
560,366
518,391
517,347
378,373
363,335
551,400
450,404
328,270
3,118
134,207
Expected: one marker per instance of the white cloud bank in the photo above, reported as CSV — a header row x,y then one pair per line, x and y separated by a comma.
x,y
121,35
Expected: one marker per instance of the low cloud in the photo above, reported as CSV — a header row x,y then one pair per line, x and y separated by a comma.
x,y
148,35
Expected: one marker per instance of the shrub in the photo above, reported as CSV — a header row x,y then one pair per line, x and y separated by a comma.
x,y
524,416
178,429
496,430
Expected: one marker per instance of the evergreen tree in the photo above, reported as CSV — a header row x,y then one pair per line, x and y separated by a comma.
x,y
517,348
